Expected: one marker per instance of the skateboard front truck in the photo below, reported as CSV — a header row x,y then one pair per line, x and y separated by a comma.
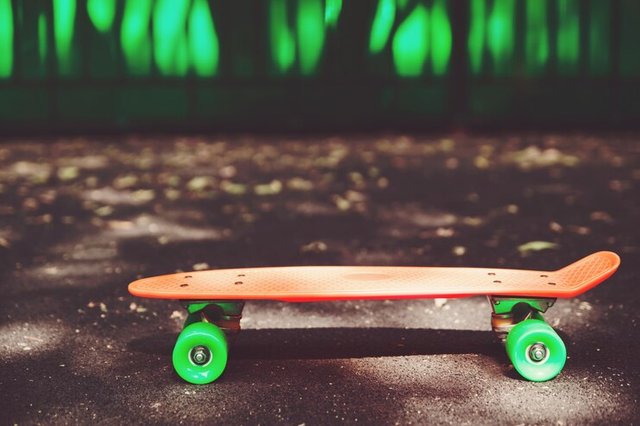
x,y
224,314
535,349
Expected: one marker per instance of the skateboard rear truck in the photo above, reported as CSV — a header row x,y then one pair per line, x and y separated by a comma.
x,y
509,311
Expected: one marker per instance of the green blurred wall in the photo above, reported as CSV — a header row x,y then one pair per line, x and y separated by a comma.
x,y
288,64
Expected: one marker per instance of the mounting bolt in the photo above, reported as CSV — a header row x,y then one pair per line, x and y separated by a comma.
x,y
538,352
200,355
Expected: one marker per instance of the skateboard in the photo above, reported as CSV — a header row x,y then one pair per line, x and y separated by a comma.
x,y
214,301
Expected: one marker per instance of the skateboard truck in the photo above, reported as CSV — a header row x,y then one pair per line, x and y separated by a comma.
x,y
225,314
509,311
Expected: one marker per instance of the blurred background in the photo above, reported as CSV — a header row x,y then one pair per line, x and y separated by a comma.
x,y
317,64
146,137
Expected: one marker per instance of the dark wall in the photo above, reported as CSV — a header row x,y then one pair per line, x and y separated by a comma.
x,y
297,64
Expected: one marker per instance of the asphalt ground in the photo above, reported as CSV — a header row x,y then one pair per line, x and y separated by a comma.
x,y
82,217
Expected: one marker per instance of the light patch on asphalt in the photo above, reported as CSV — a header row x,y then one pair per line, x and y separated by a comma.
x,y
61,273
573,315
567,398
66,273
99,252
310,208
87,162
34,171
408,220
373,257
28,339
119,197
445,386
147,225
93,252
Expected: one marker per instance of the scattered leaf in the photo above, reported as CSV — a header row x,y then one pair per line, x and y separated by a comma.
x,y
104,211
120,225
227,172
37,173
233,188
601,216
299,184
532,157
200,266
171,194
143,195
123,182
445,232
271,188
555,227
481,162
382,182
439,302
341,203
459,250
472,221
314,247
68,173
533,246
355,196
585,306
447,145
199,183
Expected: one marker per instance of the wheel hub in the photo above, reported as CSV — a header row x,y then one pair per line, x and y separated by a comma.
x,y
538,352
200,355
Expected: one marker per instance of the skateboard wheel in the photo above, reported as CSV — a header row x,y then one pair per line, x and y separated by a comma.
x,y
536,351
200,353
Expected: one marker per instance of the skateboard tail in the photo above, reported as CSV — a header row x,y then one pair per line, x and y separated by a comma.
x,y
588,272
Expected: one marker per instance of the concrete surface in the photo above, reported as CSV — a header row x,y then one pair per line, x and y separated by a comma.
x,y
80,218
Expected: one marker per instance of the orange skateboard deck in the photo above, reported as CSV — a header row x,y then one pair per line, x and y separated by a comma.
x,y
325,283
214,301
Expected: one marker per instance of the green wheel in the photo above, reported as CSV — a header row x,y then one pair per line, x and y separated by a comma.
x,y
200,353
536,351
